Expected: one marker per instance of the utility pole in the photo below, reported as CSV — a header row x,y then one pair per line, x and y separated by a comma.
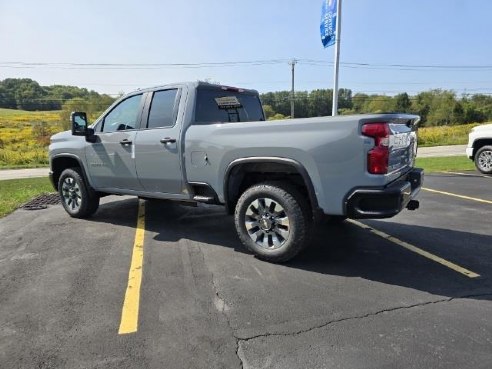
x,y
292,63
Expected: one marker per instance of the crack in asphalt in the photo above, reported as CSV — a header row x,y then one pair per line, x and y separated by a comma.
x,y
221,307
222,310
306,330
237,339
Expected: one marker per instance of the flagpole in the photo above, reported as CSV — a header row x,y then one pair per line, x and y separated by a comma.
x,y
334,108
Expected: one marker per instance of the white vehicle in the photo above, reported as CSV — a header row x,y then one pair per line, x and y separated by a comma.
x,y
480,147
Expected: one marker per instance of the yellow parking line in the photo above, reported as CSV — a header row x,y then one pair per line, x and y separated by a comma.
x,y
456,195
417,250
131,305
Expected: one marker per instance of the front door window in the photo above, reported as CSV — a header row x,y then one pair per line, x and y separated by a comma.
x,y
124,116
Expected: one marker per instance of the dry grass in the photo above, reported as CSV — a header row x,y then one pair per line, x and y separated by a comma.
x,y
24,136
445,135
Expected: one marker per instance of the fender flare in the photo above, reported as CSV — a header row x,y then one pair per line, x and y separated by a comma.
x,y
266,159
81,165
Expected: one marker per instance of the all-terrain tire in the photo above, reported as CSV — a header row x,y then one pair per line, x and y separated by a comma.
x,y
483,159
77,198
274,221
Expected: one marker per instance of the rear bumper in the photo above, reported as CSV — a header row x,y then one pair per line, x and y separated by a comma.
x,y
387,201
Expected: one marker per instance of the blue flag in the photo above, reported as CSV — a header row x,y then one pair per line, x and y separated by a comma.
x,y
328,24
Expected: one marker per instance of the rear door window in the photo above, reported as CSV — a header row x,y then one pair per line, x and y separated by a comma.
x,y
162,109
226,106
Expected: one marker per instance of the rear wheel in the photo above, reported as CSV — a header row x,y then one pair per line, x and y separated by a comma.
x,y
273,221
483,159
78,200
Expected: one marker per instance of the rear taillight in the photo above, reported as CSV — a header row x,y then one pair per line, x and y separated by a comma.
x,y
377,157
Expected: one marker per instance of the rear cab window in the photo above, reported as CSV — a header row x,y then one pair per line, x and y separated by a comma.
x,y
227,105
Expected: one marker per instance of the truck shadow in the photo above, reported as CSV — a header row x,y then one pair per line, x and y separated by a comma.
x,y
339,250
347,250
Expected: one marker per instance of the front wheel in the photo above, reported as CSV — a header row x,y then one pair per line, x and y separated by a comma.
x,y
483,159
273,221
78,200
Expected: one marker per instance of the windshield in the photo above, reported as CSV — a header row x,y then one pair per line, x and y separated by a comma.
x,y
226,106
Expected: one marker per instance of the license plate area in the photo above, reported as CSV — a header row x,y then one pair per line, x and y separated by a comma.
x,y
402,147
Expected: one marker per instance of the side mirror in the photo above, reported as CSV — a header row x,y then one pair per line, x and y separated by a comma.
x,y
79,123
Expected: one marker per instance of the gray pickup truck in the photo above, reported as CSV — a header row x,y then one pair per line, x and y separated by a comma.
x,y
202,143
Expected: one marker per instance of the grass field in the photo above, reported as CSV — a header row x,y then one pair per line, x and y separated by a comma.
x,y
15,192
24,137
443,164
28,116
445,135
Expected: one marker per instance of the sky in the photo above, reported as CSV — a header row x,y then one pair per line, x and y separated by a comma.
x,y
387,46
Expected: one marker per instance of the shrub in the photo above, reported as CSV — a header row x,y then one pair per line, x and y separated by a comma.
x,y
445,135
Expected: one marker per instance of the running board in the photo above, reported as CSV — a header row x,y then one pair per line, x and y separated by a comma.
x,y
204,199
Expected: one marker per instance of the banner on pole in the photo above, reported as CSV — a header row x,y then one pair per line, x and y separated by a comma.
x,y
328,22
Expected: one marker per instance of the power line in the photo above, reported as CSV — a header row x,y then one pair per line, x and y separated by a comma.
x,y
417,66
131,66
310,62
267,61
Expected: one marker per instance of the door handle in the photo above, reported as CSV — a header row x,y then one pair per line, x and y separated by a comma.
x,y
126,142
166,140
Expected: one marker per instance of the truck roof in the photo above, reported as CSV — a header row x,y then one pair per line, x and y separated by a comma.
x,y
194,84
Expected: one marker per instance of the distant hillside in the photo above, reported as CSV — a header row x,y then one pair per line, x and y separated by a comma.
x,y
436,107
26,94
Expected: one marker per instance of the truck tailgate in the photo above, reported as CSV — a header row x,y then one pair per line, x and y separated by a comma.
x,y
402,146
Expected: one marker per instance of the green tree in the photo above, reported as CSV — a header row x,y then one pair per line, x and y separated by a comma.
x,y
279,101
27,94
441,107
458,115
7,98
24,93
301,104
379,104
359,101
422,105
90,106
307,104
345,99
268,99
472,114
480,106
403,103
320,102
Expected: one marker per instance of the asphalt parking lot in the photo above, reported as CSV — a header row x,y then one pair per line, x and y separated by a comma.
x,y
176,290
